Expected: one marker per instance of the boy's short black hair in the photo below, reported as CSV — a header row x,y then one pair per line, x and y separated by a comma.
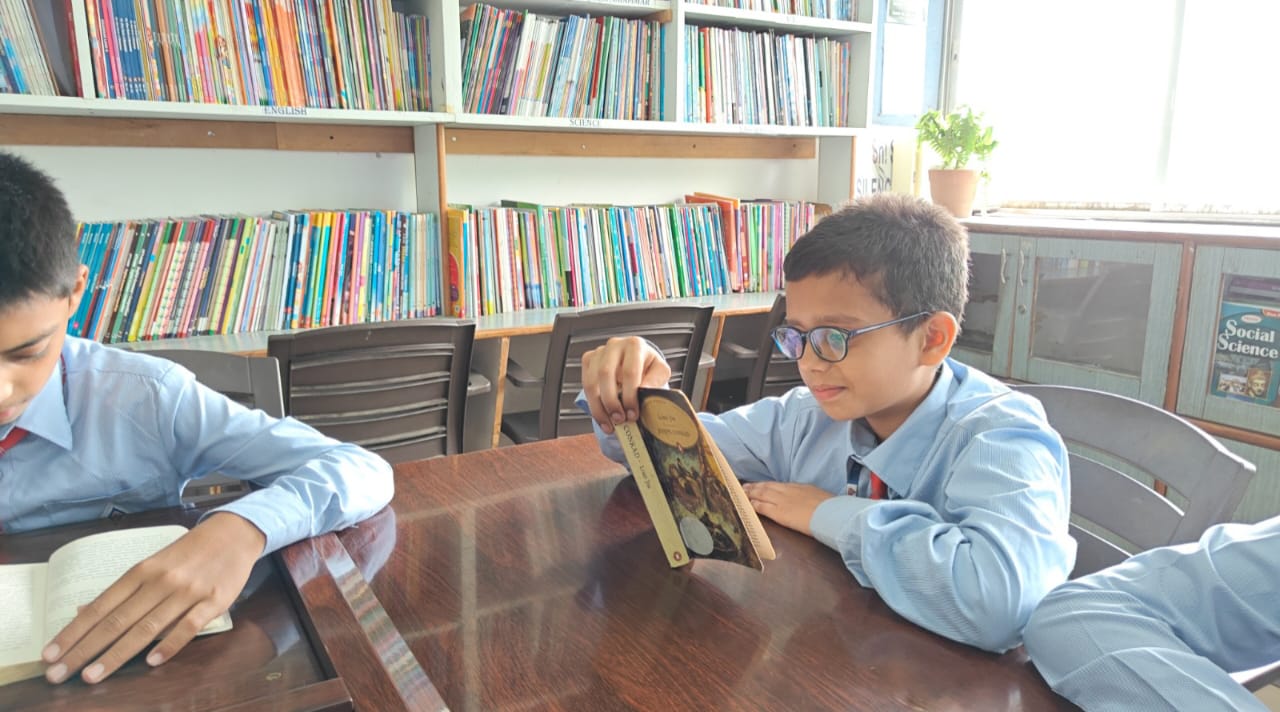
x,y
38,252
913,255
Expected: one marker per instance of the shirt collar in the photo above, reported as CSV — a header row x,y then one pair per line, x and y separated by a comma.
x,y
46,416
898,459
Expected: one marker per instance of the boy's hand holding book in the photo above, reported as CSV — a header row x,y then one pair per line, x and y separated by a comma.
x,y
612,374
171,595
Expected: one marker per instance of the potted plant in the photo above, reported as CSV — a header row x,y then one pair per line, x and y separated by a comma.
x,y
958,138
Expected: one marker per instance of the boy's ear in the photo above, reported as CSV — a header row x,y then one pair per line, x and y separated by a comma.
x,y
77,292
940,331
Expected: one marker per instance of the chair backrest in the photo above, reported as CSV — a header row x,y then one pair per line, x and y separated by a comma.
x,y
252,381
772,374
679,331
1121,514
396,388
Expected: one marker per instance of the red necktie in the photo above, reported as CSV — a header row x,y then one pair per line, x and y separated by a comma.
x,y
13,438
879,490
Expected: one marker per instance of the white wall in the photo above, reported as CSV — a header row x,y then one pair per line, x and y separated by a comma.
x,y
130,183
485,179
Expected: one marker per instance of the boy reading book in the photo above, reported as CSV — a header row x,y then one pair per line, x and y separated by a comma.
x,y
939,487
42,598
87,431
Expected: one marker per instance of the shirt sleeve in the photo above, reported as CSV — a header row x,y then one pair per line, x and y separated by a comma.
x,y
310,484
1161,630
975,572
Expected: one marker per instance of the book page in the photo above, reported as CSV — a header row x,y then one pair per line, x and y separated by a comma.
x,y
84,568
22,635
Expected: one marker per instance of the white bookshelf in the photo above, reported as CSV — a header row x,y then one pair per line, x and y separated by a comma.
x,y
133,109
619,8
699,14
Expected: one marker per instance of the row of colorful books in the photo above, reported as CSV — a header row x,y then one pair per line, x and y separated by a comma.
x,y
353,54
29,43
518,256
824,9
173,278
525,64
744,77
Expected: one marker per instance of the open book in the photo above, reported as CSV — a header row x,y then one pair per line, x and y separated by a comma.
x,y
39,600
696,503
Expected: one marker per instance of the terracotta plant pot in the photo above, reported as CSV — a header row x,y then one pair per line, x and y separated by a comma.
x,y
954,189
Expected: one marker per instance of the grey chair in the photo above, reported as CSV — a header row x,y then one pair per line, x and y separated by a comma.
x,y
1115,515
251,381
679,331
772,374
397,388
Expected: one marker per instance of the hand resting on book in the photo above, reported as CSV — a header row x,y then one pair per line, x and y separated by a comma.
x,y
171,595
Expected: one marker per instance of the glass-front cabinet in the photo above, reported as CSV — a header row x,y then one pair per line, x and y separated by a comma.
x,y
1091,313
1231,360
985,334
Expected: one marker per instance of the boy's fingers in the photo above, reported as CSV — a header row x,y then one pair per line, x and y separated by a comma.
x,y
148,628
184,631
630,374
591,388
88,616
76,647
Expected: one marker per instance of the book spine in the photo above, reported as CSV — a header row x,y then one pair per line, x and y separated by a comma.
x,y
641,466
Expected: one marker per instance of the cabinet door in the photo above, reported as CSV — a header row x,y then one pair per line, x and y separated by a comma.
x,y
1096,314
987,329
1231,361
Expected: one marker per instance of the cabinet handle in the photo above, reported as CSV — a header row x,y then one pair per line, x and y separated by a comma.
x,y
1022,265
1004,260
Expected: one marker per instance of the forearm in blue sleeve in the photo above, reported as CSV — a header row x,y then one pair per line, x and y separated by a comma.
x,y
1161,630
311,484
975,575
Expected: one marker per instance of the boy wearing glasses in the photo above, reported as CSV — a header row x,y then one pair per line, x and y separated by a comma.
x,y
940,487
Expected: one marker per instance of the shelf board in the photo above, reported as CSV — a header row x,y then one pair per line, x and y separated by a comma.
x,y
490,326
595,8
543,123
128,108
716,15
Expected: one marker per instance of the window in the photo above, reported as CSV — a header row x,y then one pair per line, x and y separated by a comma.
x,y
1159,105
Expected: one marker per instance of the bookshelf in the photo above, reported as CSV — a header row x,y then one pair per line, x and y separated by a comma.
x,y
124,159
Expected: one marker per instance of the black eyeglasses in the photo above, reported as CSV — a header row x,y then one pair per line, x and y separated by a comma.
x,y
830,343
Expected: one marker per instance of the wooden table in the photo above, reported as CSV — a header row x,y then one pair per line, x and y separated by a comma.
x,y
298,643
530,578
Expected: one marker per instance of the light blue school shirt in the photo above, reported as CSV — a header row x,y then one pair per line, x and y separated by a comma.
x,y
1161,630
975,531
126,432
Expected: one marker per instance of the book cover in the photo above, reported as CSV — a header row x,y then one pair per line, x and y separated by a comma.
x,y
699,509
1246,359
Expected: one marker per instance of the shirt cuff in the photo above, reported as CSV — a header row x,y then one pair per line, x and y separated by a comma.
x,y
832,522
277,515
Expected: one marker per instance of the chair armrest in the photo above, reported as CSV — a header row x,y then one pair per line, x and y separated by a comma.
x,y
477,384
739,351
520,376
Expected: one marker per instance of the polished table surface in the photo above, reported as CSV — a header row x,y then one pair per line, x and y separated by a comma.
x,y
530,578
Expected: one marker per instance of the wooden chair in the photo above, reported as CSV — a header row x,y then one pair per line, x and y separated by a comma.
x,y
251,381
1115,515
396,388
771,374
679,331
